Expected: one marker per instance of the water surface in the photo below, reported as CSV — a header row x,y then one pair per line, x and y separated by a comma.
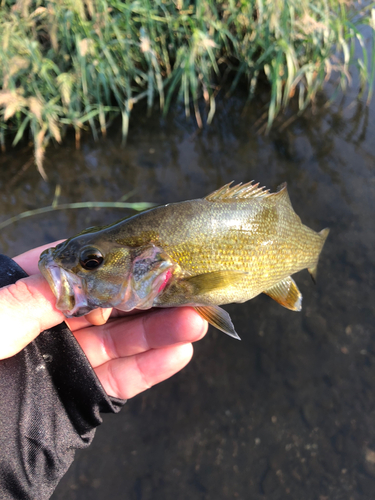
x,y
288,413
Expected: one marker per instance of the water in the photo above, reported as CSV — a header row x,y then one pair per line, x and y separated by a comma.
x,y
288,413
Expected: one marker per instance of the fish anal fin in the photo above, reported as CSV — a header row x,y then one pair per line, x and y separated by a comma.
x,y
218,318
286,293
215,280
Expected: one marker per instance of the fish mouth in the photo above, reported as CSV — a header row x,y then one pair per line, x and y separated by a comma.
x,y
66,286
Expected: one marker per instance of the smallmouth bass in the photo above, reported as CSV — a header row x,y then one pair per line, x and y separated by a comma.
x,y
230,246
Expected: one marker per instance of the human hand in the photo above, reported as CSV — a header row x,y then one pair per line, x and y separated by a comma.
x,y
129,353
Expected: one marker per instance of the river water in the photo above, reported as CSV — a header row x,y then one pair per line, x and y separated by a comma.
x,y
289,412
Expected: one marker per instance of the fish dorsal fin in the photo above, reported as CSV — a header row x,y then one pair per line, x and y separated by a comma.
x,y
286,293
239,192
282,194
218,318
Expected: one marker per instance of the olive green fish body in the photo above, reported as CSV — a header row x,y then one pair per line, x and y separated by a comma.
x,y
228,247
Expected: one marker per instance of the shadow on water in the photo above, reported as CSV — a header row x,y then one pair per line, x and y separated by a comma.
x,y
290,411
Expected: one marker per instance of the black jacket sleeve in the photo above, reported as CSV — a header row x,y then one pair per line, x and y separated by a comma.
x,y
50,404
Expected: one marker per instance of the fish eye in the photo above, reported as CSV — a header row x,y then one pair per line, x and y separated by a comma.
x,y
90,258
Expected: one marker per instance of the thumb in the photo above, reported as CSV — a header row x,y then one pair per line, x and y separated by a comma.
x,y
26,309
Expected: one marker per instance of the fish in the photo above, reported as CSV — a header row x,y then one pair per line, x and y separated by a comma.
x,y
236,243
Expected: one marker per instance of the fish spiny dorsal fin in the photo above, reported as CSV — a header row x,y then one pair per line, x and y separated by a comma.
x,y
239,192
282,194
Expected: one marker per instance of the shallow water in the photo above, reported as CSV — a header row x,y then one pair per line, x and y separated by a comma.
x,y
290,411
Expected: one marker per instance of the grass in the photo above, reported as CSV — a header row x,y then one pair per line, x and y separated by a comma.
x,y
55,205
78,63
137,206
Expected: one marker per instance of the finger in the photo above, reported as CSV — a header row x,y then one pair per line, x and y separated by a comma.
x,y
99,316
29,260
96,317
26,309
82,322
126,377
136,334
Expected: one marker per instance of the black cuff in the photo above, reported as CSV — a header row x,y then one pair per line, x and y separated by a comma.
x,y
50,404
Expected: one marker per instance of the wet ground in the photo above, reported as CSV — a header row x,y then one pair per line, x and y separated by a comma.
x,y
289,412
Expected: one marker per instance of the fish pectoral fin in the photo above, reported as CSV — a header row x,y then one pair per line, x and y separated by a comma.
x,y
218,318
215,280
286,293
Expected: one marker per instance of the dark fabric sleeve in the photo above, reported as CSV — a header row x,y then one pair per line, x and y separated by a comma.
x,y
50,404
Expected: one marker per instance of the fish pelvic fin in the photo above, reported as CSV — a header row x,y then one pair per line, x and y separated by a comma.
x,y
286,293
218,318
313,270
215,280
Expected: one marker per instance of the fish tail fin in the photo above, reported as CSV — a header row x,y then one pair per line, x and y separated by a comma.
x,y
313,270
324,233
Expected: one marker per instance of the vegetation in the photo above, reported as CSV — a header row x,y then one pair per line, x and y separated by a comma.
x,y
76,63
137,206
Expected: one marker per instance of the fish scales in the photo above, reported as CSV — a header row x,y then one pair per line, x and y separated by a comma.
x,y
249,235
228,247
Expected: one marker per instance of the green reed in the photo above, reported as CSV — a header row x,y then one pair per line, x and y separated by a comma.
x,y
77,63
137,206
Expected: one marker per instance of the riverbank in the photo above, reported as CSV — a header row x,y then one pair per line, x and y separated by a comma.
x,y
79,64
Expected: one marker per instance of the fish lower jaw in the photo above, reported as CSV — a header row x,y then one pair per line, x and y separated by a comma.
x,y
70,295
75,304
76,312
